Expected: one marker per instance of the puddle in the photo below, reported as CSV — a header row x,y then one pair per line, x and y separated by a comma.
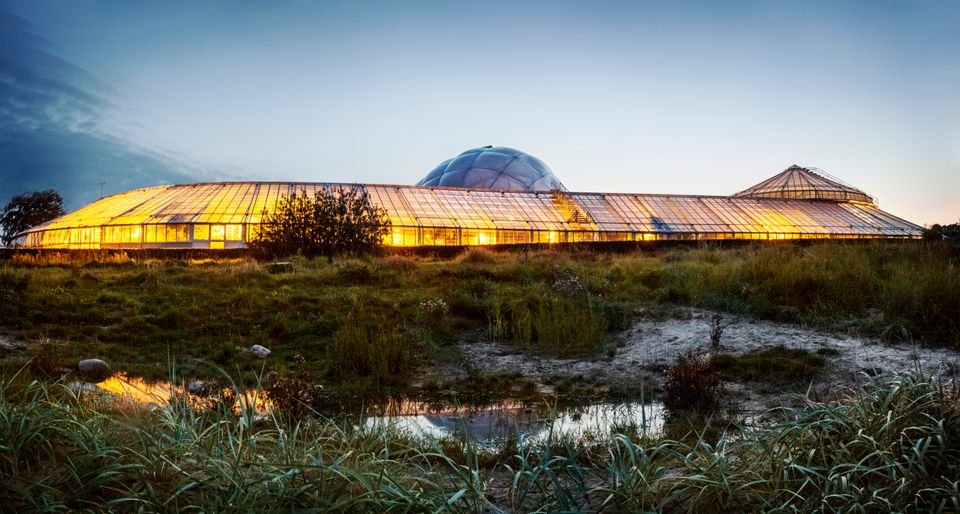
x,y
492,426
488,426
137,391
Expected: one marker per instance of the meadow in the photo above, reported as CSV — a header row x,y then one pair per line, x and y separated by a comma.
x,y
360,326
371,322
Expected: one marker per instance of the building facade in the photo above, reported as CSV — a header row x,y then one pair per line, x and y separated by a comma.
x,y
489,195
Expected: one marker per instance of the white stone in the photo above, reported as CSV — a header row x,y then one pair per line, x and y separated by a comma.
x,y
260,352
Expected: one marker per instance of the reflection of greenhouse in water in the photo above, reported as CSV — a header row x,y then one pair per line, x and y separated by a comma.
x,y
495,424
484,196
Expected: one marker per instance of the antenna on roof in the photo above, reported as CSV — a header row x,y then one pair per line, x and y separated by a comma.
x,y
101,188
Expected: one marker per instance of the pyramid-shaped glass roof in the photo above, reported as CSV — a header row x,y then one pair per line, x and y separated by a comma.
x,y
806,183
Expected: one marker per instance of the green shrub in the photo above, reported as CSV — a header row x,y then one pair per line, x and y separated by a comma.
x,y
331,222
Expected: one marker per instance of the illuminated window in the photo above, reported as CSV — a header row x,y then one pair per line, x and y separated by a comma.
x,y
234,232
217,232
216,245
403,236
201,232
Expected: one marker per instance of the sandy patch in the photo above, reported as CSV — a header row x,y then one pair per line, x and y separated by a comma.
x,y
648,347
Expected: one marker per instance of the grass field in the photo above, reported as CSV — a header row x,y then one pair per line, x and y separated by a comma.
x,y
371,322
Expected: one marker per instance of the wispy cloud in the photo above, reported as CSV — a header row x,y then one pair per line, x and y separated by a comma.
x,y
51,128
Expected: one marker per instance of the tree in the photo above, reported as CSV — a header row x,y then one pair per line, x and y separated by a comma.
x,y
333,221
29,210
937,232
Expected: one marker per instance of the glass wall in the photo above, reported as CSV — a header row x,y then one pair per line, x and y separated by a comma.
x,y
228,214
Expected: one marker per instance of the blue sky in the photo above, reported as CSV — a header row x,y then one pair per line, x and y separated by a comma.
x,y
655,97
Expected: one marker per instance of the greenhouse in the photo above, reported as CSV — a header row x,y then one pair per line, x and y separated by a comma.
x,y
484,196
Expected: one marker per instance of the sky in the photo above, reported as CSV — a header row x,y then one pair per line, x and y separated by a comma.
x,y
644,97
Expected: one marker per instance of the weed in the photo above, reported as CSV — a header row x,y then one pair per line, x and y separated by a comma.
x,y
691,385
716,331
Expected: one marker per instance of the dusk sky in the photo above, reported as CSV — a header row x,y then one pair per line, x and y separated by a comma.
x,y
642,97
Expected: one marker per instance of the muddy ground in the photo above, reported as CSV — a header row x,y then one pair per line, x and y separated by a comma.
x,y
633,365
639,357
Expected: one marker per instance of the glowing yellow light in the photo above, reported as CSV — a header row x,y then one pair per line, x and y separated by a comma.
x,y
553,237
137,391
483,238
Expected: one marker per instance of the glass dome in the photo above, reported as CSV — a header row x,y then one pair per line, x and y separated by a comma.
x,y
494,167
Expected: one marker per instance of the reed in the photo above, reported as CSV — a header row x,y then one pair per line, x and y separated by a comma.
x,y
891,445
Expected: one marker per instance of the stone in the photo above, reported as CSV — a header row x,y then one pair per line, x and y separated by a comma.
x,y
280,267
260,352
93,370
198,388
93,366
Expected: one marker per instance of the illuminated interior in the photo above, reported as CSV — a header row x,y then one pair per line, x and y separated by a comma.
x,y
797,203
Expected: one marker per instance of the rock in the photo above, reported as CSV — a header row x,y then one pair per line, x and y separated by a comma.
x,y
198,388
260,352
95,370
84,388
93,366
280,267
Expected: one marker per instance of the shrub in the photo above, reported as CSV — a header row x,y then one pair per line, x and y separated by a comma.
x,y
295,393
332,222
691,385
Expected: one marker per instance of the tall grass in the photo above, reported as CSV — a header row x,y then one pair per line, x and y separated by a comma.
x,y
897,291
893,445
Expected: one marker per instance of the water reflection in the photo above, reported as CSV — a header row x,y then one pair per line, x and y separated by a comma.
x,y
137,391
491,426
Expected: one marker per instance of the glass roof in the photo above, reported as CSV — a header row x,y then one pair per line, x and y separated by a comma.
x,y
455,208
810,183
492,167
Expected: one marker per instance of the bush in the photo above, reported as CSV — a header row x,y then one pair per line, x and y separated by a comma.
x,y
332,222
691,385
